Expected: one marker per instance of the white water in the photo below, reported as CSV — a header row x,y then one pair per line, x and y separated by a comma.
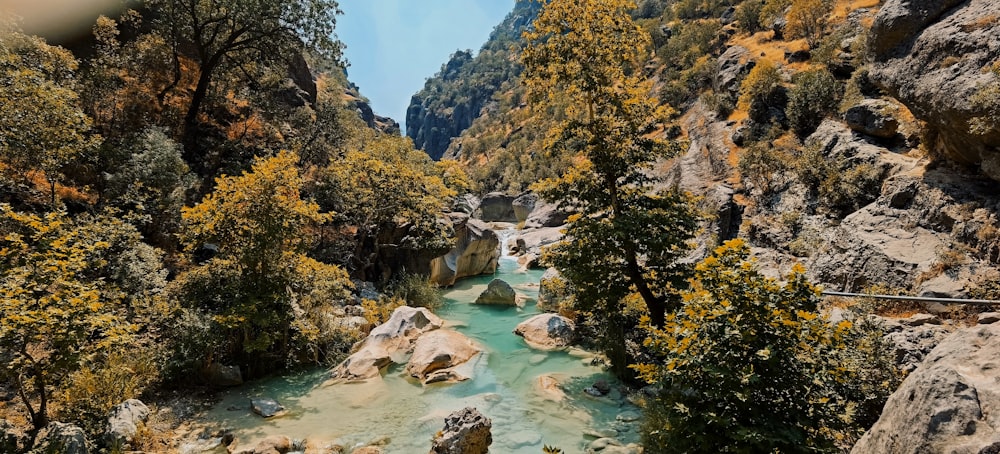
x,y
504,388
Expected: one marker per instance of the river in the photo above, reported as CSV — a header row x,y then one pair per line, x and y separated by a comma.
x,y
405,415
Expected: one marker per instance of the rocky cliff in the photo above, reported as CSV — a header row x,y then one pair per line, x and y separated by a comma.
x,y
454,97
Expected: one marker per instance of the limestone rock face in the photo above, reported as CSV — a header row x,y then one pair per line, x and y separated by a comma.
x,y
547,331
545,215
498,293
392,339
930,55
734,65
523,205
62,438
437,354
124,421
872,117
949,404
497,207
466,431
476,252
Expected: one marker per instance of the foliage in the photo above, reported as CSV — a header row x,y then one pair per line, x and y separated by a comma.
x,y
263,295
987,100
105,381
761,90
746,364
242,34
384,186
55,312
151,185
807,19
39,77
814,95
416,291
625,238
551,450
747,15
453,98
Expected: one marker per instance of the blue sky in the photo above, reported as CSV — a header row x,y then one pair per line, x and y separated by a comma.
x,y
394,45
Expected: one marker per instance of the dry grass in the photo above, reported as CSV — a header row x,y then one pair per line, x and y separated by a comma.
x,y
844,7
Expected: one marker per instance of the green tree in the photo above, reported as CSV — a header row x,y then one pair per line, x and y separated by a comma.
x,y
807,19
626,238
384,186
814,95
43,127
243,33
748,364
260,290
55,312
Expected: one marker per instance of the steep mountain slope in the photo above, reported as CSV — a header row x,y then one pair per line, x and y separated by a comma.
x,y
454,97
800,139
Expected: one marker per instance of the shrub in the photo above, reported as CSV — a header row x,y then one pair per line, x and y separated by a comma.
x,y
814,95
105,382
807,19
748,14
746,362
416,290
760,91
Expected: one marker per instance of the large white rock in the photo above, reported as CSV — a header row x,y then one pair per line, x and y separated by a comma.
x,y
949,404
438,355
389,341
547,331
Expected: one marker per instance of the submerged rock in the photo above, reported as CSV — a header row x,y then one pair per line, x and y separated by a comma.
x,y
465,432
437,354
266,407
498,293
394,338
547,331
949,404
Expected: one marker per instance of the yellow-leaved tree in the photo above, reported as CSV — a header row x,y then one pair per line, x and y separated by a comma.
x,y
54,312
267,300
585,58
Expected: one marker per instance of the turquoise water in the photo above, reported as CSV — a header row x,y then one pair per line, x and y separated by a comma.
x,y
504,387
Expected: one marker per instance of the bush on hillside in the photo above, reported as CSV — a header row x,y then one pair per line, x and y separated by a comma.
x,y
815,95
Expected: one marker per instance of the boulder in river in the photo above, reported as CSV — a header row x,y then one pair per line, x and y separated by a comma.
x,y
437,354
547,331
476,252
266,407
498,293
465,431
392,339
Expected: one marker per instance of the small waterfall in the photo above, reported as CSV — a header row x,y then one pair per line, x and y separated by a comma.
x,y
505,236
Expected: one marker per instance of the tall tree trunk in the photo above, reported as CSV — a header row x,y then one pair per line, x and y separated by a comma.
x,y
197,99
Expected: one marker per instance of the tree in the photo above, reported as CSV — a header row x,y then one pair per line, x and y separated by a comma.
x,y
626,238
54,312
385,186
807,19
814,96
747,364
260,290
43,127
243,33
